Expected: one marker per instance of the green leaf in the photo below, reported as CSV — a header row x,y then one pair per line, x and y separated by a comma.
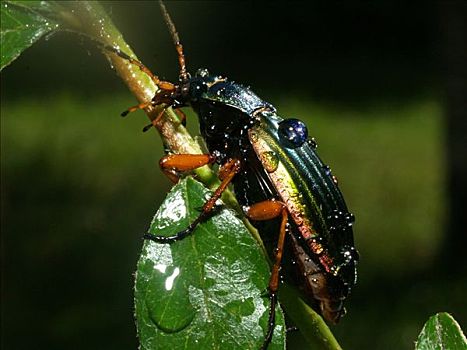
x,y
22,24
207,290
441,332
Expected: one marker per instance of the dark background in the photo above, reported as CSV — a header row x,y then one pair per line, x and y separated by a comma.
x,y
381,86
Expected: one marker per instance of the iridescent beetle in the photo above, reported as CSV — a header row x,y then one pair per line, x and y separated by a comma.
x,y
275,172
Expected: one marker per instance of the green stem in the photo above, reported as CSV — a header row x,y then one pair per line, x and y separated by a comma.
x,y
91,19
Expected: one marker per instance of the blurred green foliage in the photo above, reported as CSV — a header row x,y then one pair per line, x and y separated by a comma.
x,y
77,192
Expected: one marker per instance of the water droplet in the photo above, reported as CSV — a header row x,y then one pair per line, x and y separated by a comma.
x,y
334,179
166,287
270,161
292,132
312,143
350,217
327,170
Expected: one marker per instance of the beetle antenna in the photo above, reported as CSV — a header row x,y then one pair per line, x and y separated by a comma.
x,y
176,40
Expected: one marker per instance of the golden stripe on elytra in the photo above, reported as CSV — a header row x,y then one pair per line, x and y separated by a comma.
x,y
282,180
275,161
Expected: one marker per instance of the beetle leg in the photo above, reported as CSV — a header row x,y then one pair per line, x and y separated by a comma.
x,y
268,210
155,121
174,163
265,210
162,96
135,108
234,166
181,115
164,85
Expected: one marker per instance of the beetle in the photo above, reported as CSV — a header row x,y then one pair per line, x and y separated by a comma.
x,y
276,174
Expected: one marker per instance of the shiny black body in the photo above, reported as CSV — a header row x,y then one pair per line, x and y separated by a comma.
x,y
228,114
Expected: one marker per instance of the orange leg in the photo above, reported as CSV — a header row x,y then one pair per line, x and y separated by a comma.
x,y
172,164
164,85
163,96
181,116
234,166
155,121
268,210
135,108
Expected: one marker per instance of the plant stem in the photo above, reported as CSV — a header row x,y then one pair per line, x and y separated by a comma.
x,y
94,22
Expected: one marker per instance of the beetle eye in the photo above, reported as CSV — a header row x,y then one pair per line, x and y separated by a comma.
x,y
293,132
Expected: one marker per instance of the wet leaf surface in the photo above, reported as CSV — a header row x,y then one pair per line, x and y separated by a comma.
x,y
22,24
207,290
441,332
